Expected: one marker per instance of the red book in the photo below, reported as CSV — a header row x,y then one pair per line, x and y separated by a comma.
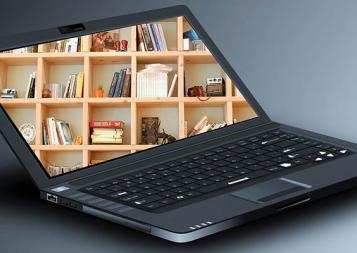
x,y
106,124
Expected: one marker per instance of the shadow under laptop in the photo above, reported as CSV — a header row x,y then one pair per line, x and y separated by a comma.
x,y
22,211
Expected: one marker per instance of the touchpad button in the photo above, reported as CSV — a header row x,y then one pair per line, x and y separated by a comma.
x,y
270,190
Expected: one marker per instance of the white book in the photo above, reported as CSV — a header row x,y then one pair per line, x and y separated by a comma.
x,y
158,36
162,35
172,87
29,86
54,131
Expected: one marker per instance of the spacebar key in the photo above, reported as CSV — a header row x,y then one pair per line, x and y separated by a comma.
x,y
223,184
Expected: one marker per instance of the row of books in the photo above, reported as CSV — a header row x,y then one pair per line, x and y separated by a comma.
x,y
56,132
203,126
23,50
71,45
153,81
107,132
74,87
121,84
151,37
31,85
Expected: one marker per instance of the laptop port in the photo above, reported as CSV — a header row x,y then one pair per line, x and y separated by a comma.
x,y
52,198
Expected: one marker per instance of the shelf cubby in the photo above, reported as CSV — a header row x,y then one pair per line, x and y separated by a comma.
x,y
168,115
15,72
70,113
242,111
103,69
115,111
215,111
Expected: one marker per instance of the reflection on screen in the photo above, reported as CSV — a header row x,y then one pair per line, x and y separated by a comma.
x,y
85,100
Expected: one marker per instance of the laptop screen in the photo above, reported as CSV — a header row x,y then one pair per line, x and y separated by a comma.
x,y
85,100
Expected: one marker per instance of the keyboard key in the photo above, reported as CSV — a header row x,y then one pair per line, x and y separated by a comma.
x,y
154,205
167,201
103,192
132,197
179,197
167,194
146,200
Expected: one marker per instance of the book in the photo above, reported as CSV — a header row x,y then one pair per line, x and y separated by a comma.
x,y
79,87
147,38
106,131
153,37
199,125
172,87
127,84
162,35
112,85
141,43
119,83
106,124
30,91
107,141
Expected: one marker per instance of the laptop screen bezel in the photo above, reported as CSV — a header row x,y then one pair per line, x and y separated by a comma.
x,y
29,159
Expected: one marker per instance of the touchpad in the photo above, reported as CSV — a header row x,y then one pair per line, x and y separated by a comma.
x,y
270,190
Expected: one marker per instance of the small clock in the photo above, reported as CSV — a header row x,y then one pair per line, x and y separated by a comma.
x,y
28,132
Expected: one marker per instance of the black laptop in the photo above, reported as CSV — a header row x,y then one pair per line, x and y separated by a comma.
x,y
140,120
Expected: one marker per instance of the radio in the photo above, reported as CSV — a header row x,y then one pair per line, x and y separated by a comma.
x,y
215,86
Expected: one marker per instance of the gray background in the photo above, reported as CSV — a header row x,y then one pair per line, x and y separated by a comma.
x,y
299,58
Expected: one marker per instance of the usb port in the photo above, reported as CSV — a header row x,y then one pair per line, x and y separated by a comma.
x,y
52,198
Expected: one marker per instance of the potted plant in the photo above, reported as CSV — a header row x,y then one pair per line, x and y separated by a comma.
x,y
99,91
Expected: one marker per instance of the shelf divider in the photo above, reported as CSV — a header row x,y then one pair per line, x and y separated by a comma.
x,y
133,75
133,123
179,33
180,77
133,38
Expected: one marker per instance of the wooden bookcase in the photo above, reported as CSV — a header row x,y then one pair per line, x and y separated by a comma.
x,y
99,67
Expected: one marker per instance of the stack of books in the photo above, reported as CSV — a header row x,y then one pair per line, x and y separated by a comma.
x,y
74,87
121,84
152,81
56,132
203,126
30,91
71,45
151,37
107,132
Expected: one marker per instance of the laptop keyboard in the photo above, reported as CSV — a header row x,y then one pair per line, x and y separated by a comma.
x,y
214,169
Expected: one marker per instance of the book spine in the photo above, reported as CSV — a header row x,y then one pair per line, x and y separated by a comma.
x,y
158,37
122,82
162,35
147,38
118,84
126,85
112,85
44,136
60,135
79,88
153,37
141,42
106,124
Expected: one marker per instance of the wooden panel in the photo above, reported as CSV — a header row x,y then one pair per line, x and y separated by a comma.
x,y
133,39
133,76
2,75
180,77
87,77
134,124
179,33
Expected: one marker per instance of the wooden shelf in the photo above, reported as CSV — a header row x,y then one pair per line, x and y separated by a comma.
x,y
99,67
